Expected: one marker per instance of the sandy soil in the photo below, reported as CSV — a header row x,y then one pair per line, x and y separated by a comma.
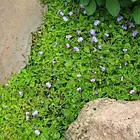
x,y
18,18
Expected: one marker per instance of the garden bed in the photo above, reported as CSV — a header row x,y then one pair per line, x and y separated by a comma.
x,y
74,59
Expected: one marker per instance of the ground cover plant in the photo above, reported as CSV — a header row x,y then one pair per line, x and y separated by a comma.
x,y
74,59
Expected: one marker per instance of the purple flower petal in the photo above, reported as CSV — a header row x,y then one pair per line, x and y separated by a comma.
x,y
79,75
94,39
103,69
35,113
119,18
99,47
67,45
124,27
71,13
65,18
80,39
106,35
122,78
68,37
92,80
79,89
124,50
92,32
48,85
96,22
78,32
81,6
53,62
61,13
134,33
96,93
131,25
76,49
132,91
85,12
37,132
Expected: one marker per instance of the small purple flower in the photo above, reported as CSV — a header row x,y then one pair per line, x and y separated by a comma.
x,y
6,85
81,6
48,85
68,37
79,89
94,39
132,91
67,45
122,78
37,132
99,47
79,75
134,33
40,52
78,32
106,35
131,25
71,13
35,113
125,63
96,93
76,49
85,12
124,27
80,39
6,106
27,118
92,80
20,93
65,18
53,62
55,44
27,113
53,27
119,18
101,57
92,32
96,22
61,13
103,69
124,50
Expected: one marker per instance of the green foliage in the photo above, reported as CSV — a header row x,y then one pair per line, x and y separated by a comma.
x,y
91,7
100,2
125,3
136,14
113,6
85,2
59,105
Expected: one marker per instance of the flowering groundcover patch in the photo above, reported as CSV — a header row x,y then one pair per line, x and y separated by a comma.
x,y
74,59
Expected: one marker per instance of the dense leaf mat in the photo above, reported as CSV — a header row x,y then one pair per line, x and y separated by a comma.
x,y
68,68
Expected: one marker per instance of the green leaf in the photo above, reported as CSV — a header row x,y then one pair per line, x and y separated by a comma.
x,y
134,0
84,2
100,2
86,49
91,7
125,3
113,7
136,14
